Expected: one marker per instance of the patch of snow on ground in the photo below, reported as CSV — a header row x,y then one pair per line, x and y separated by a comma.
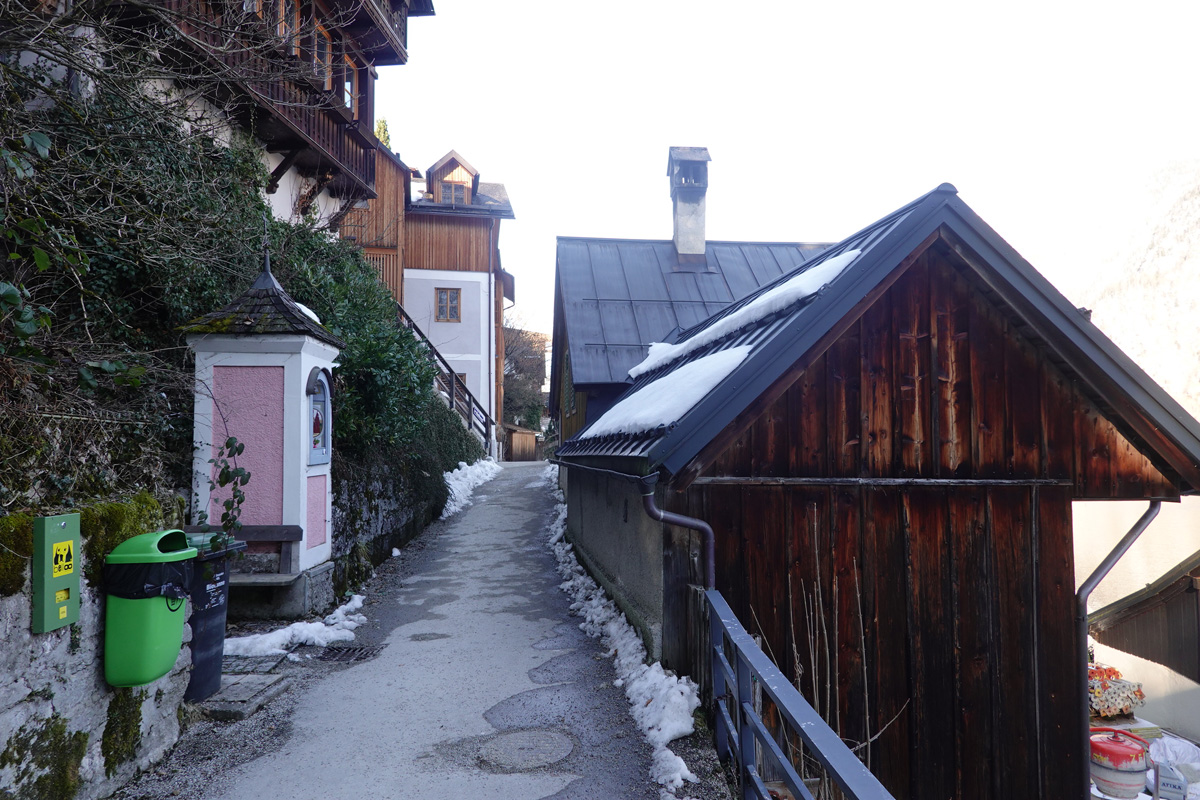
x,y
665,400
395,552
337,627
804,285
661,703
463,481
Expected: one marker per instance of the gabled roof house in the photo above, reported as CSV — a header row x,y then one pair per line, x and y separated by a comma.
x,y
887,441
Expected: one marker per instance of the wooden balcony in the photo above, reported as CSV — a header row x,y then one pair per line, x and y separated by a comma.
x,y
379,26
288,108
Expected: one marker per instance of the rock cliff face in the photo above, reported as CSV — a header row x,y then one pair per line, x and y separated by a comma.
x,y
1152,310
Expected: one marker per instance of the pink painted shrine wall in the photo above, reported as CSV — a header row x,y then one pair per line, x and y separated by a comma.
x,y
315,531
249,405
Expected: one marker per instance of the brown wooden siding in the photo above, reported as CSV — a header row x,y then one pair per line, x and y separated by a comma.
x,y
451,243
945,611
522,446
378,227
454,173
933,381
381,224
387,264
947,607
1164,627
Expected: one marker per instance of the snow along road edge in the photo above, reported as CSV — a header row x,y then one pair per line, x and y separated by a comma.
x,y
660,702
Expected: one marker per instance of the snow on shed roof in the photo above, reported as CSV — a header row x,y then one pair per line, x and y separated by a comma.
x,y
779,339
614,297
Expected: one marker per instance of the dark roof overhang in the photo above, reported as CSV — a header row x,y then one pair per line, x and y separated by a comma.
x,y
450,210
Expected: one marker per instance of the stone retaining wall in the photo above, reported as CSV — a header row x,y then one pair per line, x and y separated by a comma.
x,y
64,732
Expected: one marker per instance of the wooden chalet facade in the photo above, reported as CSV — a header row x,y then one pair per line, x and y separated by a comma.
x,y
436,243
300,74
377,225
452,252
889,473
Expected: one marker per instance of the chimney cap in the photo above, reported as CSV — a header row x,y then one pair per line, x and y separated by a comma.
x,y
687,154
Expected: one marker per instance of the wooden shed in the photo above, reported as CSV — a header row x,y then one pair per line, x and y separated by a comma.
x,y
887,442
522,443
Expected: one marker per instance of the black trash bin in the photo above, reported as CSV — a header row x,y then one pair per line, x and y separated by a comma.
x,y
210,603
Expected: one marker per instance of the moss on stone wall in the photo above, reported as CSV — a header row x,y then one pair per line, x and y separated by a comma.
x,y
103,526
16,547
123,731
47,749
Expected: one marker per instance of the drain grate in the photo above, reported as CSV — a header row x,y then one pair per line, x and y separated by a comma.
x,y
346,655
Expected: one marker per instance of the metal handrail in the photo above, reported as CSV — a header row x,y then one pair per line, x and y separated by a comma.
x,y
462,402
750,734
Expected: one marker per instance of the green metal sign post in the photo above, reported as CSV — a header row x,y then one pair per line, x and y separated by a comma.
x,y
56,568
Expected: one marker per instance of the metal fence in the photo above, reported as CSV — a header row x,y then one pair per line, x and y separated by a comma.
x,y
738,667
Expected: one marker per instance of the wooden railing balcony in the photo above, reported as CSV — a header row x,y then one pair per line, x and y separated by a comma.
x,y
380,27
301,116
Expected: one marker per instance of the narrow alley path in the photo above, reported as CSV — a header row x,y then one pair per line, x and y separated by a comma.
x,y
486,687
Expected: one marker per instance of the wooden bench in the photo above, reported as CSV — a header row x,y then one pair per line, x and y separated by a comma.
x,y
288,537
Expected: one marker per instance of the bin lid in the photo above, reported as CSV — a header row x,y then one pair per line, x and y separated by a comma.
x,y
152,548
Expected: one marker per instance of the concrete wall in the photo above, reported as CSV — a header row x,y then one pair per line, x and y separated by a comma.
x,y
64,733
621,547
283,201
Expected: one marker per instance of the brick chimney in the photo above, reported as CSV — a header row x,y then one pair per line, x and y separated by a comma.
x,y
687,167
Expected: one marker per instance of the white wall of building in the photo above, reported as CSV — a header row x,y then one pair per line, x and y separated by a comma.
x,y
283,200
468,345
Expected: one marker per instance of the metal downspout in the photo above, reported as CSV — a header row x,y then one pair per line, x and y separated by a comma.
x,y
1081,622
647,483
671,518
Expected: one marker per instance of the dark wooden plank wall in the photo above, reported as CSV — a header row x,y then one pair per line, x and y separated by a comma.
x,y
1165,630
933,381
379,227
966,632
944,611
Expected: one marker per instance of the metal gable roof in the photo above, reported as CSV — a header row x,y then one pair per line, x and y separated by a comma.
x,y
780,340
616,296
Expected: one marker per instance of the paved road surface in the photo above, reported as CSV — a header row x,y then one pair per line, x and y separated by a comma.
x,y
486,689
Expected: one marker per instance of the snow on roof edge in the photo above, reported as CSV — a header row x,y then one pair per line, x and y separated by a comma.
x,y
665,400
798,287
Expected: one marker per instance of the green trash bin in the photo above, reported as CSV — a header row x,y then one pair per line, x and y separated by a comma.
x,y
147,580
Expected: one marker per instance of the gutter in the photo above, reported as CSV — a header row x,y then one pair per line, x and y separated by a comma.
x,y
646,484
1081,622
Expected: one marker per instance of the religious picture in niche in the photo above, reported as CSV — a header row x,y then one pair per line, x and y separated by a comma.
x,y
320,421
318,425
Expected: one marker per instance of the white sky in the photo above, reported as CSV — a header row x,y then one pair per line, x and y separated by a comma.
x,y
1050,117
